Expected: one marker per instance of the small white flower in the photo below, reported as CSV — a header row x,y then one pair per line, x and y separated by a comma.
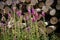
x,y
46,23
14,8
38,9
24,24
9,24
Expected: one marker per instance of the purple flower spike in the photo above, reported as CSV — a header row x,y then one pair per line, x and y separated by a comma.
x,y
28,28
33,11
36,15
33,19
14,38
29,11
26,18
9,14
2,24
43,13
19,12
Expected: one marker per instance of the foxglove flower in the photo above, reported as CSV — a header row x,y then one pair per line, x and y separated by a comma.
x,y
43,13
14,38
33,19
27,18
19,12
33,11
36,15
9,14
28,28
29,11
2,24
